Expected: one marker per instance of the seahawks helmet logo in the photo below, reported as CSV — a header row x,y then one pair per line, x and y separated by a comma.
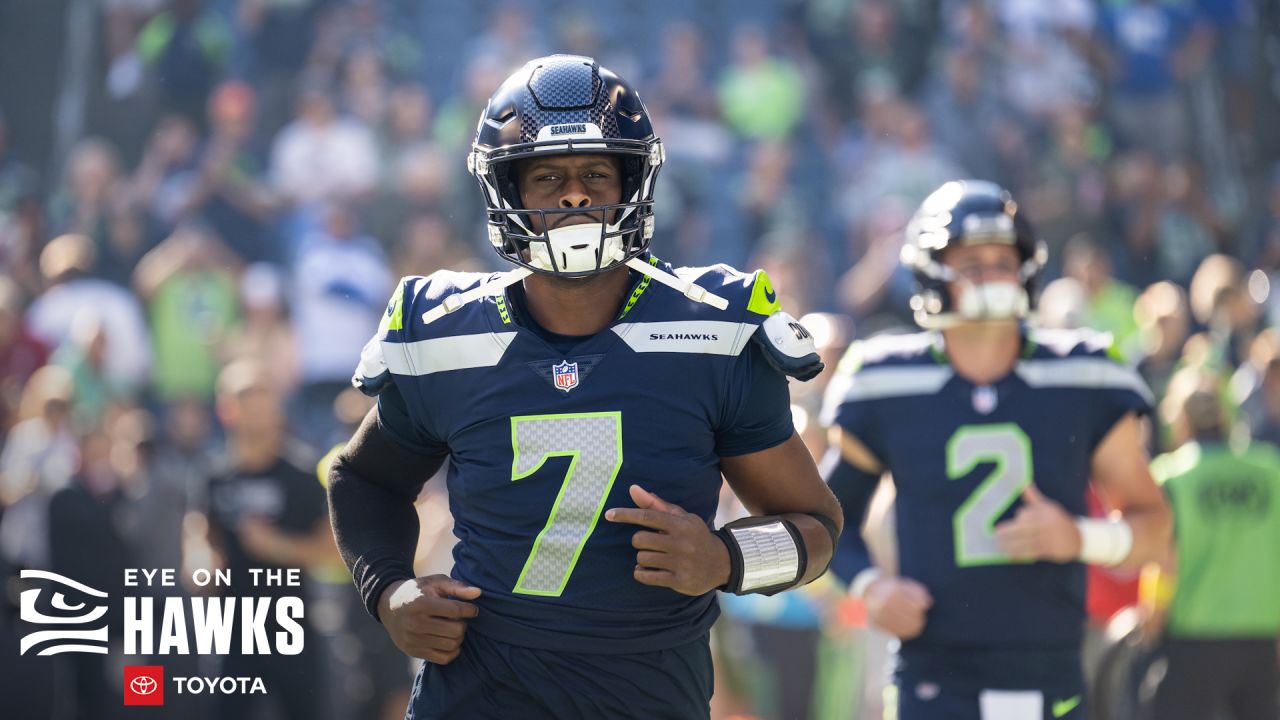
x,y
74,625
572,129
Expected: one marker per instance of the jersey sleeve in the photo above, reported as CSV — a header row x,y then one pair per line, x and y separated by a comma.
x,y
394,418
372,375
845,408
757,414
1120,390
1088,362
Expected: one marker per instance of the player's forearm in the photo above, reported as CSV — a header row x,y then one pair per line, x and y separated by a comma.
x,y
373,483
853,487
817,543
376,532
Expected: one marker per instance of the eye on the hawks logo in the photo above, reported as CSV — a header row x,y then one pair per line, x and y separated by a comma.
x,y
143,684
565,375
69,617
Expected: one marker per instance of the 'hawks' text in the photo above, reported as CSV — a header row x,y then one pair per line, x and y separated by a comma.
x,y
683,336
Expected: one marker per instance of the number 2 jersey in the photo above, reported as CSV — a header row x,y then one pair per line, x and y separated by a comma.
x,y
544,433
960,455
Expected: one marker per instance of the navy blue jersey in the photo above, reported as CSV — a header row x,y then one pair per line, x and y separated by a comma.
x,y
960,455
544,433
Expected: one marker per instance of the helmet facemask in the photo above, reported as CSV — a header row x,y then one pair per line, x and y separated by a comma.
x,y
566,105
574,250
978,300
967,213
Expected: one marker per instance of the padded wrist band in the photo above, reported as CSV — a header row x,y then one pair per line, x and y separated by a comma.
x,y
766,555
1104,542
863,580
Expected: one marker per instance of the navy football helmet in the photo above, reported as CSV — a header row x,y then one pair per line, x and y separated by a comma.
x,y
566,104
967,212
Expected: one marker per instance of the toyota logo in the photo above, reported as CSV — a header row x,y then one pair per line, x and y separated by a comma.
x,y
143,685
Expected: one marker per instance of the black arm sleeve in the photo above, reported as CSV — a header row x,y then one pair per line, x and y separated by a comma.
x,y
372,485
853,487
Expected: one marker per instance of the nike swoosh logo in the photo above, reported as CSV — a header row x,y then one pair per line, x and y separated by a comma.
x,y
770,295
1062,707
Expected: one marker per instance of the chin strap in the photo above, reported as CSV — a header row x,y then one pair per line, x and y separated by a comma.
x,y
694,292
457,300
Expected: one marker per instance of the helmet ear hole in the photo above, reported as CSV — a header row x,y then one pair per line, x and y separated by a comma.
x,y
632,177
507,184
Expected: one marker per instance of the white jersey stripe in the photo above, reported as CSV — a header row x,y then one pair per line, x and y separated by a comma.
x,y
701,337
457,352
1083,372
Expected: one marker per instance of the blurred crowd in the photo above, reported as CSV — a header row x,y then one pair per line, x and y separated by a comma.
x,y
244,180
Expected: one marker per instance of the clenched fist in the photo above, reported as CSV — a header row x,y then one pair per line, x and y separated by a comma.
x,y
427,617
897,605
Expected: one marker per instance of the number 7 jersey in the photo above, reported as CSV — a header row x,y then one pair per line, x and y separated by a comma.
x,y
961,455
544,433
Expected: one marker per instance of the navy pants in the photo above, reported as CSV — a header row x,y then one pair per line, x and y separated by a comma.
x,y
491,679
928,699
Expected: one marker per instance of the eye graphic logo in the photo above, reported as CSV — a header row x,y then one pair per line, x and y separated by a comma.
x,y
76,626
143,684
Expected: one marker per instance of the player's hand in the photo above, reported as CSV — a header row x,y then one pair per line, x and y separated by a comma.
x,y
897,605
427,617
1041,530
678,551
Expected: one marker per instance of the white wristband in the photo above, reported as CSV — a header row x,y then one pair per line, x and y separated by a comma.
x,y
862,580
1104,542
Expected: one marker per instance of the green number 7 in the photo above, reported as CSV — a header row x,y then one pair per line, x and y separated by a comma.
x,y
594,441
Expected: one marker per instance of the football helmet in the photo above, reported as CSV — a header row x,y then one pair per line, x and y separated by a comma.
x,y
565,104
557,105
969,212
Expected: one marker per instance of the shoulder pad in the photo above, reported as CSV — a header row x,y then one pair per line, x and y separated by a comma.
x,y
889,349
372,376
434,288
1079,359
1079,342
788,346
752,292
413,296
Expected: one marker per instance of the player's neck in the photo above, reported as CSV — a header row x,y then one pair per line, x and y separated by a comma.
x,y
576,306
983,352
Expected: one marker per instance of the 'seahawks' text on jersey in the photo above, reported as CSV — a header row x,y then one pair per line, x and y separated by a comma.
x,y
546,432
960,455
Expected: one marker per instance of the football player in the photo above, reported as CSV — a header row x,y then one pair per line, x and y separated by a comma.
x,y
588,401
991,431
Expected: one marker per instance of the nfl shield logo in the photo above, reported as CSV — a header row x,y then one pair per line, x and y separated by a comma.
x,y
565,375
985,399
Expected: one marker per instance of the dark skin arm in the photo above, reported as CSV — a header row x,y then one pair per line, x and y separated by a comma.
x,y
677,550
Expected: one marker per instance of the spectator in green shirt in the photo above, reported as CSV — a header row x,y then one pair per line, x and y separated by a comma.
x,y
189,284
761,96
1223,613
1108,301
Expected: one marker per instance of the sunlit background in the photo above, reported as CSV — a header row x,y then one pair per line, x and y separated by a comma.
x,y
186,185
